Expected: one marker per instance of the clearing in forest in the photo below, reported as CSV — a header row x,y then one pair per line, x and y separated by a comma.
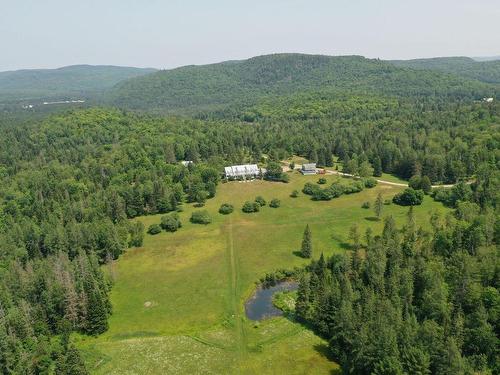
x,y
178,301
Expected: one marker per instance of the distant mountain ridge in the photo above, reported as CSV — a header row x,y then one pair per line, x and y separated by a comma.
x,y
487,58
66,82
485,71
246,81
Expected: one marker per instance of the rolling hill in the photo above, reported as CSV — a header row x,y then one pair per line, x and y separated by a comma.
x,y
485,71
75,81
248,81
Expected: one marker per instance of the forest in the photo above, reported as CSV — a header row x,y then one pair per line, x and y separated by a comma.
x,y
401,301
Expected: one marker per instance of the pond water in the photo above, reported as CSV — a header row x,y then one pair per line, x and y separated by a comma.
x,y
260,305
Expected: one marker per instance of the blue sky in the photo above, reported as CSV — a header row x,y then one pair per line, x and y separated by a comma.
x,y
170,33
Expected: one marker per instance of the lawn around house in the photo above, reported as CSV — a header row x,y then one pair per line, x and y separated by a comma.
x,y
178,300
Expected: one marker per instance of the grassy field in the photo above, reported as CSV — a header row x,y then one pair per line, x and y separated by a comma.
x,y
178,300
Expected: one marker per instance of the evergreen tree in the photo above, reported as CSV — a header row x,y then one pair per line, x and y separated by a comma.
x,y
97,314
306,248
328,158
354,236
74,364
303,303
379,205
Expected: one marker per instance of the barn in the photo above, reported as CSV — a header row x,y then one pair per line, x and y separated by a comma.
x,y
242,171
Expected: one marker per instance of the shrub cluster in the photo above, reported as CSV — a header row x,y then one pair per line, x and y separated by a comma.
x,y
260,201
335,190
154,229
409,197
249,207
201,217
170,222
272,278
275,203
226,209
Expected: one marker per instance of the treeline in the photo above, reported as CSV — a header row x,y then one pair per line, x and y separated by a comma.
x,y
443,140
409,301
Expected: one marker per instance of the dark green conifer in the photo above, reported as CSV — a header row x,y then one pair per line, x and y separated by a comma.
x,y
306,248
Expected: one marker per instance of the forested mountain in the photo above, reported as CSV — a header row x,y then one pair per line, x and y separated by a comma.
x,y
77,81
485,71
246,82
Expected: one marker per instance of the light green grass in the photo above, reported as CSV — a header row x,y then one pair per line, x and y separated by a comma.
x,y
178,300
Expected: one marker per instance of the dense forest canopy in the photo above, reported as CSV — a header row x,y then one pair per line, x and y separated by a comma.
x,y
71,181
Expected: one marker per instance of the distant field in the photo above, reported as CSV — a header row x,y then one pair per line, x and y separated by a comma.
x,y
178,301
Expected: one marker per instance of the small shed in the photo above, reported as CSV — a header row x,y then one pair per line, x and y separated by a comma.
x,y
186,163
308,169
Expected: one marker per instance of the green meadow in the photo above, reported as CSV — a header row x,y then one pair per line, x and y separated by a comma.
x,y
178,301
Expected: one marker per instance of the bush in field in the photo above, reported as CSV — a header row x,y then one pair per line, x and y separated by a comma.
x,y
154,229
249,207
171,222
260,201
354,187
409,197
365,205
226,209
275,203
370,182
294,194
310,188
322,181
201,217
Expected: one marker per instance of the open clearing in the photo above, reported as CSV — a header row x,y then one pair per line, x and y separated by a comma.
x,y
178,302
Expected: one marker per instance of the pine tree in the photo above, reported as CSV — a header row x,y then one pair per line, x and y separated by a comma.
x,y
306,249
354,236
328,158
303,304
378,206
97,315
74,364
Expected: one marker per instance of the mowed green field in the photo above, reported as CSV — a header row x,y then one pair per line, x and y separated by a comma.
x,y
178,302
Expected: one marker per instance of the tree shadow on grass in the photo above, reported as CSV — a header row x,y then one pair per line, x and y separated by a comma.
x,y
322,348
372,218
344,245
324,351
298,253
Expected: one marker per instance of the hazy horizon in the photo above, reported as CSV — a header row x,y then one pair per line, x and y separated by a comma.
x,y
477,58
155,34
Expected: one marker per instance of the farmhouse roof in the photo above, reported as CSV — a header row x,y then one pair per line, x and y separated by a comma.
x,y
309,166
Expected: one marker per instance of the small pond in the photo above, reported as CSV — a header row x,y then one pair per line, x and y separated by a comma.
x,y
260,305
